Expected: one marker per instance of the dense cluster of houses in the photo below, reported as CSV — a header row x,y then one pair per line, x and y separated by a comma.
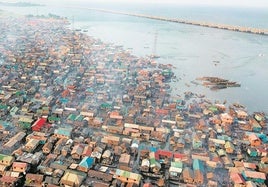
x,y
77,112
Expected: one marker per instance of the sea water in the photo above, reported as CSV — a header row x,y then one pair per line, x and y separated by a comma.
x,y
193,51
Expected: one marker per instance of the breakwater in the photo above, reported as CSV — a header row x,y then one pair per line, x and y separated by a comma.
x,y
235,28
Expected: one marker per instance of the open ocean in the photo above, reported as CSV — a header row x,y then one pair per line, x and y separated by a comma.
x,y
192,50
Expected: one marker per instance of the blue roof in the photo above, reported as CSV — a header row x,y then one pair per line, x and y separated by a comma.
x,y
224,137
5,124
58,162
198,165
87,162
64,100
153,149
263,137
89,90
63,131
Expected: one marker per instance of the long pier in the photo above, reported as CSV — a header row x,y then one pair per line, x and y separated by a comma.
x,y
250,30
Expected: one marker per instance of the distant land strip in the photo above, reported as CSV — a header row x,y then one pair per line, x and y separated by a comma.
x,y
259,31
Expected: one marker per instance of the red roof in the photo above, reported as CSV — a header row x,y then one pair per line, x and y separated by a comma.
x,y
255,175
249,165
253,137
161,111
8,179
158,153
87,151
147,185
65,93
115,115
19,164
215,159
39,124
180,156
71,87
237,178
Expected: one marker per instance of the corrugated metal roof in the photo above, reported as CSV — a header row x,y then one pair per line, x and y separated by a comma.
x,y
177,164
87,162
63,131
128,174
237,178
254,175
198,165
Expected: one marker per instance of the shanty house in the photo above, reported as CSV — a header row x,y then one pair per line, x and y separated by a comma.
x,y
100,175
163,154
31,145
124,160
25,122
59,145
188,175
226,119
254,140
175,170
154,165
229,147
254,176
237,179
145,165
14,142
73,178
77,151
199,170
63,132
86,164
47,147
20,167
241,114
87,151
197,142
6,160
39,124
34,180
9,181
252,152
127,177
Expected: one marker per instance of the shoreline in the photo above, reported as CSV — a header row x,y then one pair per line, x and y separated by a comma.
x,y
247,86
233,28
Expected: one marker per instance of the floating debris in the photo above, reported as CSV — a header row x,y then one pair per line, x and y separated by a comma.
x,y
216,83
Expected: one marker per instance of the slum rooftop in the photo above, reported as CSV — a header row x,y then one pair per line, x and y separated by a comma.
x,y
78,112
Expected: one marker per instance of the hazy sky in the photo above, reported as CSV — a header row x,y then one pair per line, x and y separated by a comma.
x,y
242,3
200,2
